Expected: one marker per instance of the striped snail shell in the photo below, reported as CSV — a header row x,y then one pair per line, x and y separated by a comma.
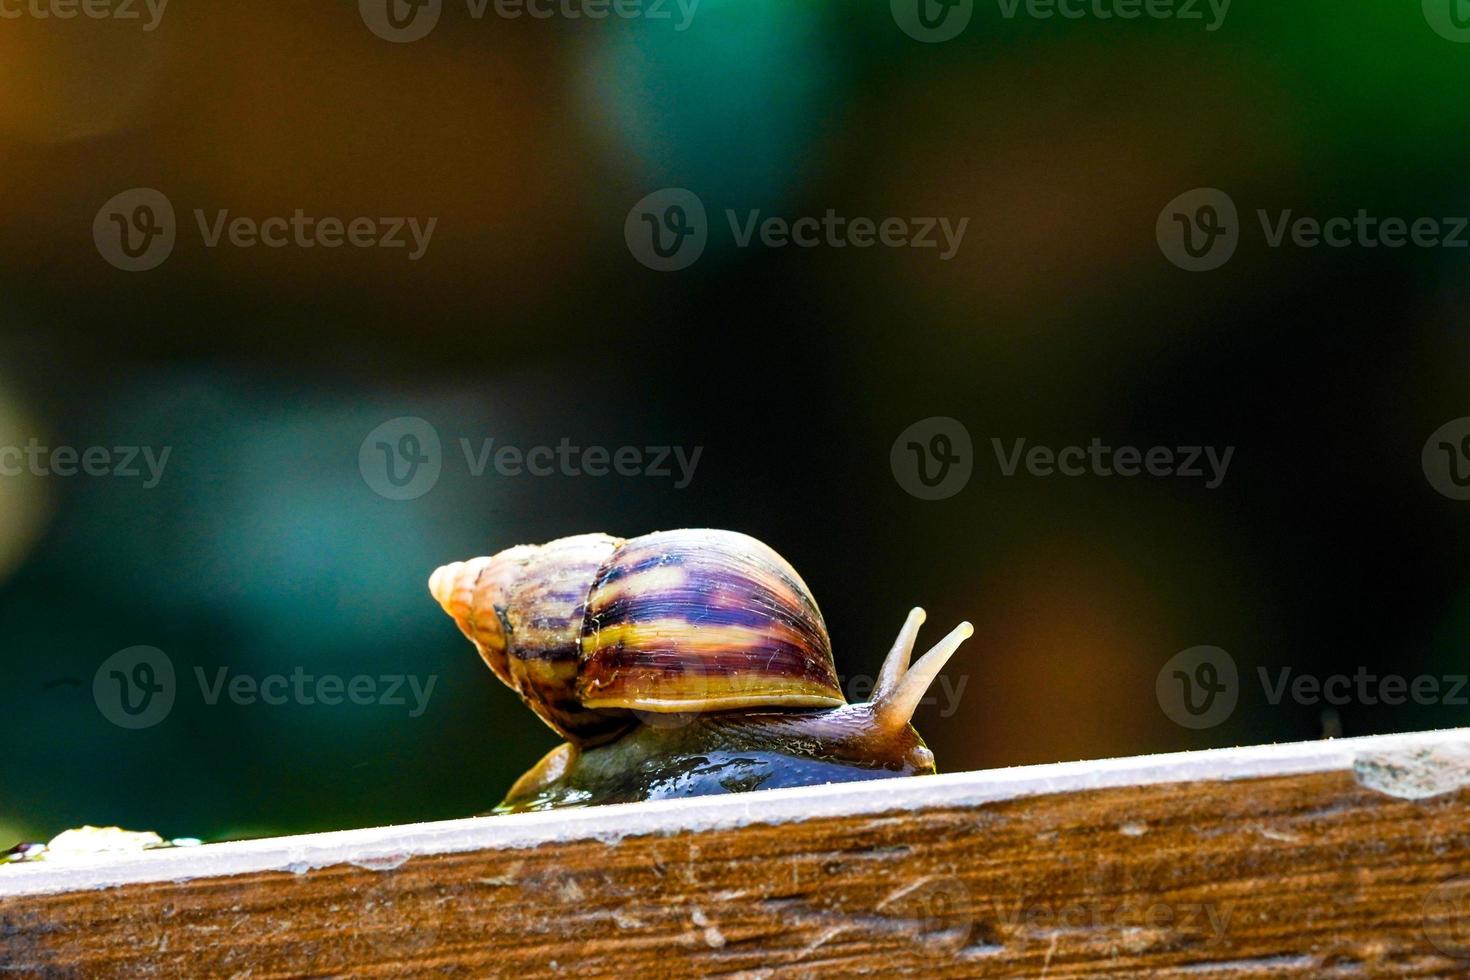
x,y
591,628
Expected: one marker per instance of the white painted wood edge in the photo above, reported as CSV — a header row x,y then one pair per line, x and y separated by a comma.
x,y
384,848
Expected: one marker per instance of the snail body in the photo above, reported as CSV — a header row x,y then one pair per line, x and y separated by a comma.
x,y
680,663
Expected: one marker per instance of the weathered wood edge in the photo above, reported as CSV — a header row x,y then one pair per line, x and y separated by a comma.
x,y
381,847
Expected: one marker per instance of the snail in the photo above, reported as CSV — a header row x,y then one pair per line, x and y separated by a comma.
x,y
680,663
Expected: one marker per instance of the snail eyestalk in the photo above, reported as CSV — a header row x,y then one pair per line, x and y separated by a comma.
x,y
897,660
894,706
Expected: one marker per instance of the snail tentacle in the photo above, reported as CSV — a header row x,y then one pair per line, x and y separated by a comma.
x,y
897,661
893,709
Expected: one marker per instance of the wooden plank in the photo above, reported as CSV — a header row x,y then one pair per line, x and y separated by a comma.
x,y
1343,858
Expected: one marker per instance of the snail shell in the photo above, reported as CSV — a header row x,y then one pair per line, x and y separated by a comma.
x,y
591,628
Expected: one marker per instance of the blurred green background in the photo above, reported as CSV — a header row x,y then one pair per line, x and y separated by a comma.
x,y
263,548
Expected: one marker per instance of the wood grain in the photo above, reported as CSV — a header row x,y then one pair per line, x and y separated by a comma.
x,y
1349,861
